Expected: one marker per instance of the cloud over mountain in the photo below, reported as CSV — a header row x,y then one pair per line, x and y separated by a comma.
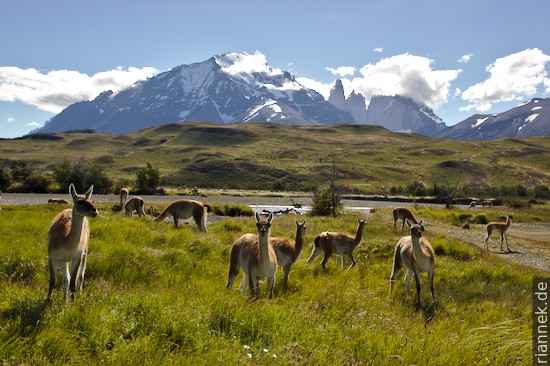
x,y
406,75
513,77
55,90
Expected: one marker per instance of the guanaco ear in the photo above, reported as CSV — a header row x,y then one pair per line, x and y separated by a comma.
x,y
72,191
408,223
270,218
88,193
257,217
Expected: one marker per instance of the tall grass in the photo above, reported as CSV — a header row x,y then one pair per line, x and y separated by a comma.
x,y
155,295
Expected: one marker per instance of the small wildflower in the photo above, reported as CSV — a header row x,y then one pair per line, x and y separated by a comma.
x,y
249,355
274,355
246,346
266,350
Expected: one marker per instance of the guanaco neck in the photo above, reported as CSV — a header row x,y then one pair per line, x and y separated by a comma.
x,y
359,233
508,222
299,240
77,223
264,252
416,246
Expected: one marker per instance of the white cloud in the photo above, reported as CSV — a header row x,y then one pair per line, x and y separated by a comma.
x,y
321,88
379,49
10,120
244,63
342,70
458,92
55,90
466,58
33,124
406,75
513,77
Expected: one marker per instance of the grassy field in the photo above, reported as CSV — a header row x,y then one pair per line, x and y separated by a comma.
x,y
155,295
369,159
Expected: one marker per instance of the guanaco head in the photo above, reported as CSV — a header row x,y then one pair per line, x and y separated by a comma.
x,y
301,226
416,229
263,224
82,203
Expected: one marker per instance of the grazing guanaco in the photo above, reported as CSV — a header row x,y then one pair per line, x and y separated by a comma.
x,y
337,243
256,256
135,204
288,251
473,204
501,228
402,213
68,242
416,253
123,196
184,209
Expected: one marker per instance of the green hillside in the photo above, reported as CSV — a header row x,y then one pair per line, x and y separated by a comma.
x,y
368,159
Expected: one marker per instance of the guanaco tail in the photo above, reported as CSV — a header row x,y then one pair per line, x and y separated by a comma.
x,y
68,242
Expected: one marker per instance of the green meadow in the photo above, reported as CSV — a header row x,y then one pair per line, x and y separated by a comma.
x,y
156,295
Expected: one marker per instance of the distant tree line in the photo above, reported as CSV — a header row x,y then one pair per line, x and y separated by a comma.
x,y
19,176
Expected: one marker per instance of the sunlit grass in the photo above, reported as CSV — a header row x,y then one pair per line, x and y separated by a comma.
x,y
155,295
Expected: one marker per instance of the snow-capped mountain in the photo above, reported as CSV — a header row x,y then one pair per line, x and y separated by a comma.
x,y
230,88
531,118
402,114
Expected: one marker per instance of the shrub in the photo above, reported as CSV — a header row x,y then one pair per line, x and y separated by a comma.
x,y
324,204
480,219
148,179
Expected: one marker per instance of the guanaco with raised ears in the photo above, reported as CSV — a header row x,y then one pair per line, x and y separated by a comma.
x,y
256,256
501,228
416,253
337,243
68,242
288,250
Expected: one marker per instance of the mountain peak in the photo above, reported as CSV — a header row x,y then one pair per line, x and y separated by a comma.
x,y
229,88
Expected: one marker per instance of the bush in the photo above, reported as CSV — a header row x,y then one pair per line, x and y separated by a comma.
x,y
323,203
148,179
82,174
480,219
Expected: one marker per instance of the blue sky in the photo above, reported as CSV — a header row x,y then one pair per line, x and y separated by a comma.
x,y
459,57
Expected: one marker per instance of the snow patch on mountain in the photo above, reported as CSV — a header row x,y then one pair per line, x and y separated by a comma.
x,y
479,121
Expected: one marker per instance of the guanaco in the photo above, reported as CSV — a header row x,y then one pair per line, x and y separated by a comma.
x,y
256,256
68,242
402,213
184,209
501,228
337,243
135,204
288,251
417,254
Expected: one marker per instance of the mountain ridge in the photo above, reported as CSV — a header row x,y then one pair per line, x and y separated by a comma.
x,y
243,88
